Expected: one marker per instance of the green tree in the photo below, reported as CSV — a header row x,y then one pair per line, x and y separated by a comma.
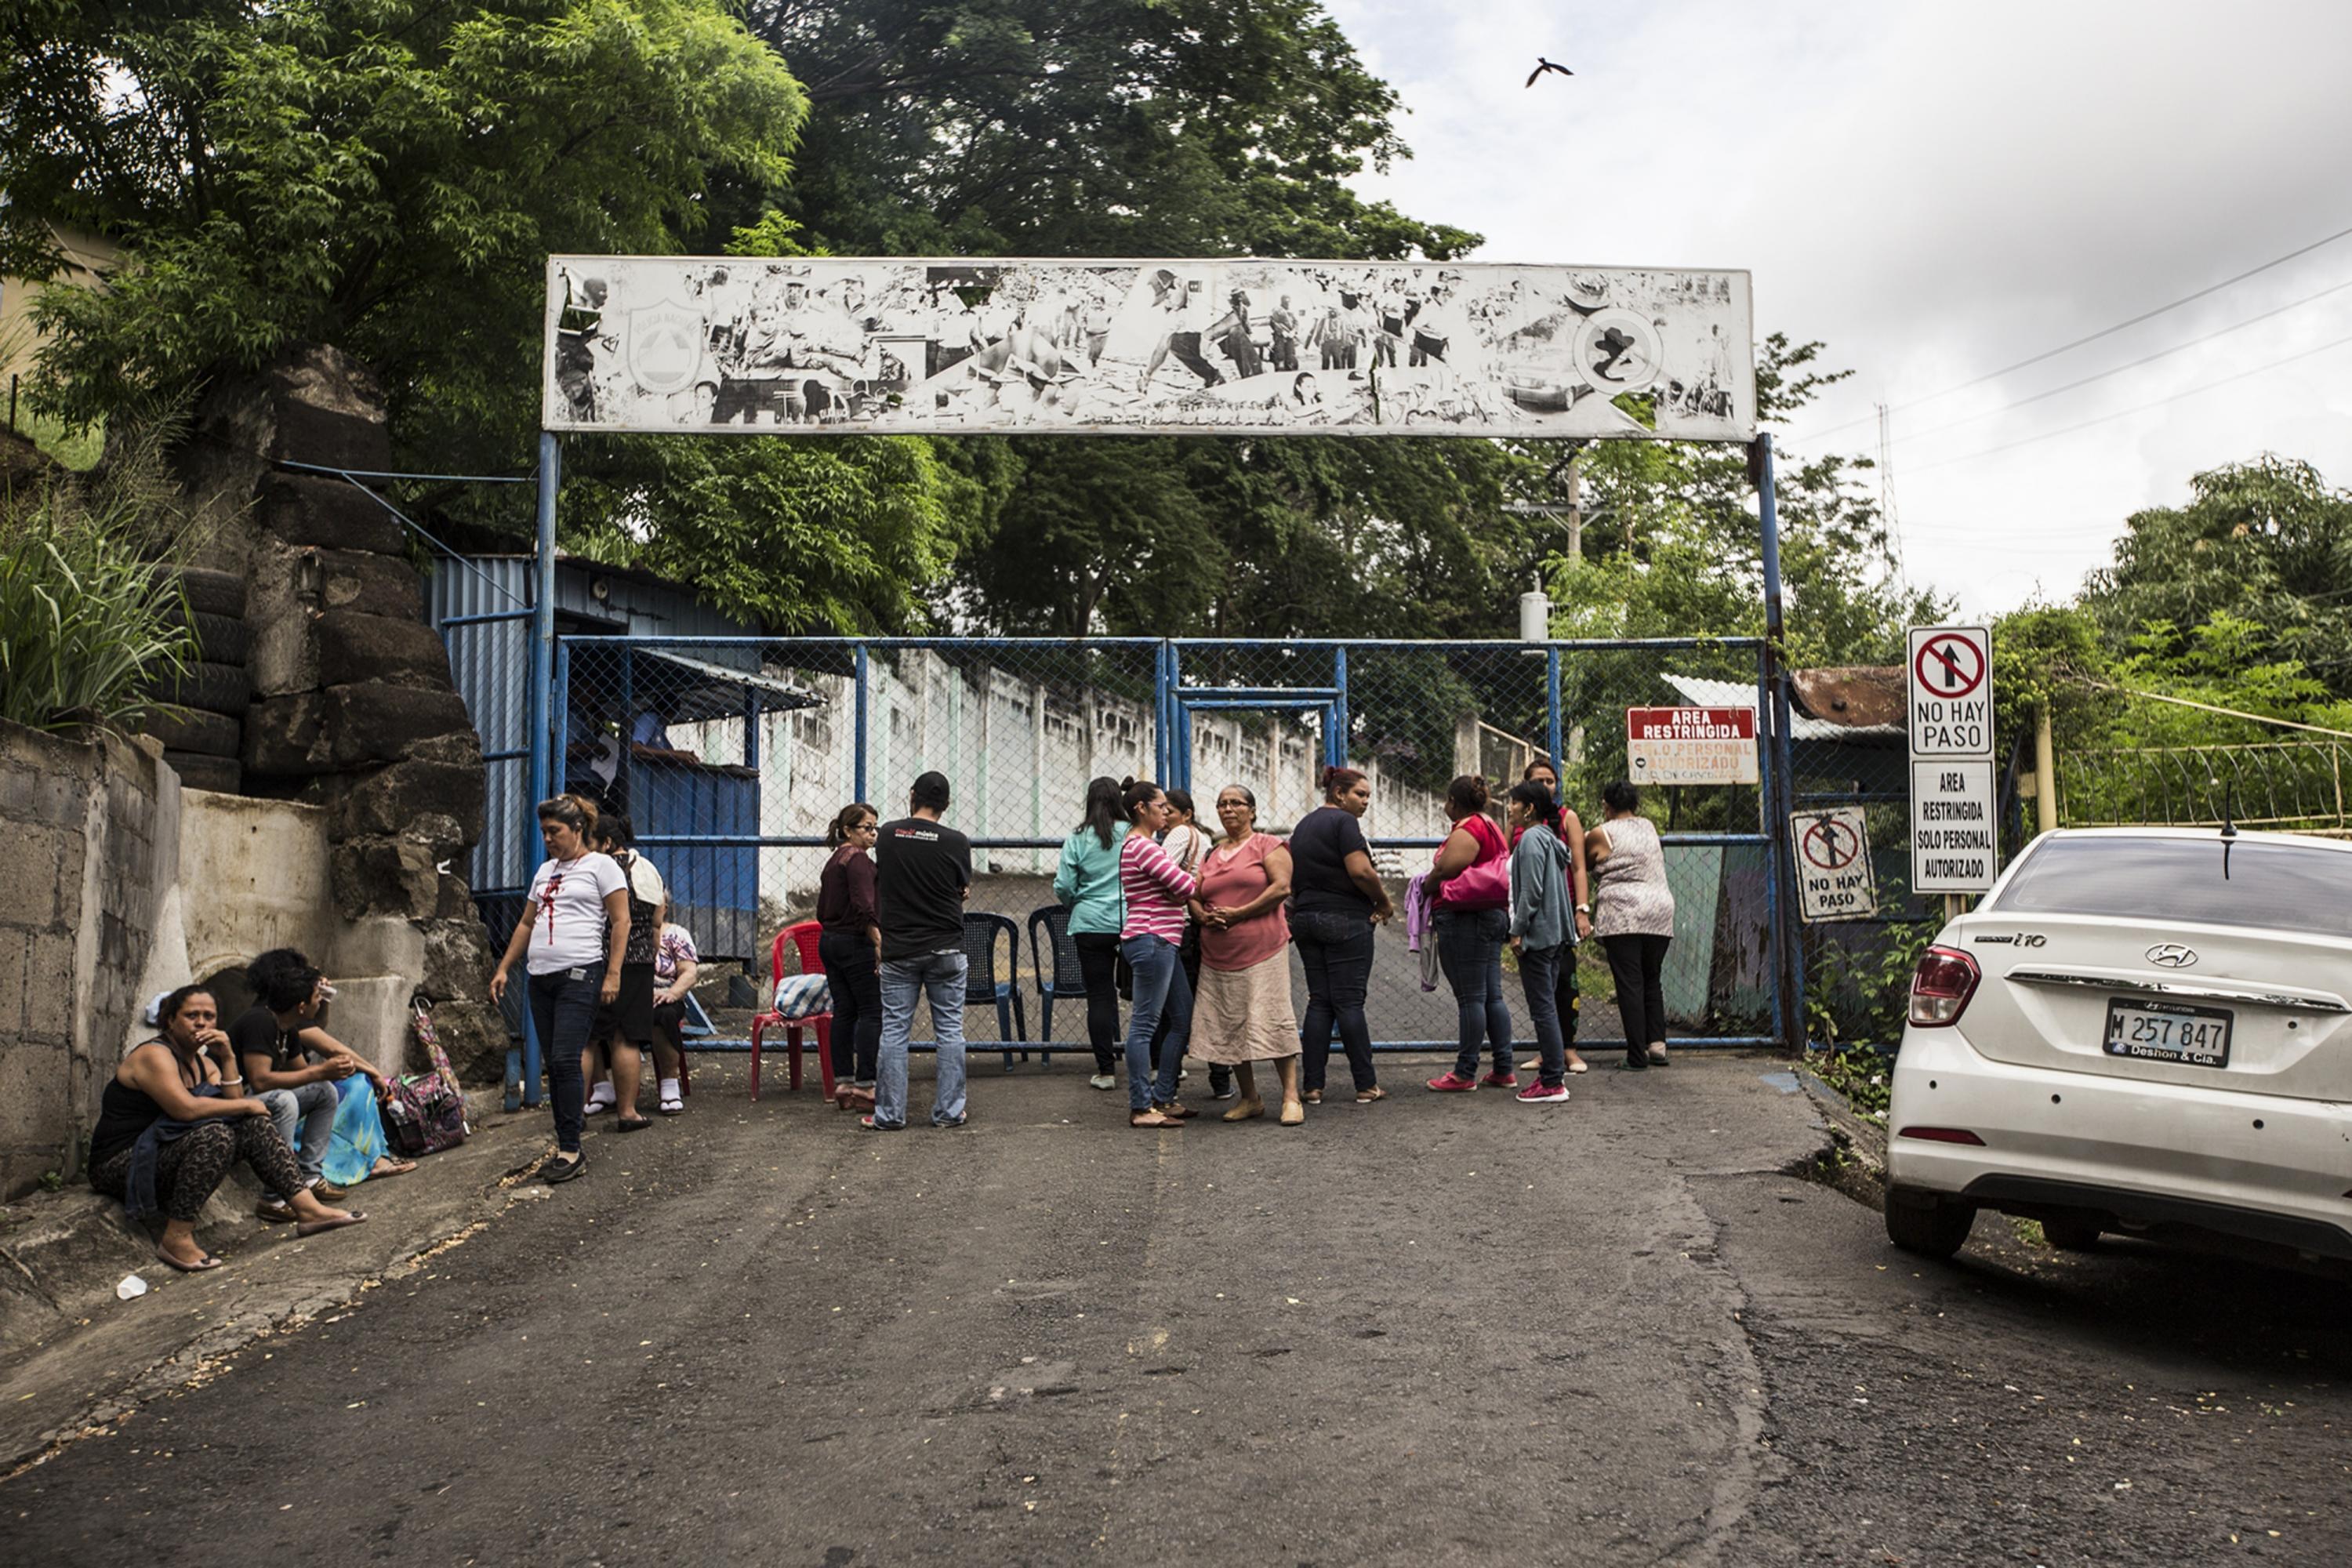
x,y
389,176
2266,542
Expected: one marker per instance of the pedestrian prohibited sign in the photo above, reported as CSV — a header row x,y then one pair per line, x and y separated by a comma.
x,y
1951,692
1834,880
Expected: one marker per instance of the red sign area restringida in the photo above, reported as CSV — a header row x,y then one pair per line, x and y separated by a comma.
x,y
1690,745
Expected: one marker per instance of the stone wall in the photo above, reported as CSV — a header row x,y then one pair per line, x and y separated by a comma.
x,y
93,855
353,711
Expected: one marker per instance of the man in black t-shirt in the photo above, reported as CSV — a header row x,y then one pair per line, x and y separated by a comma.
x,y
922,874
276,1042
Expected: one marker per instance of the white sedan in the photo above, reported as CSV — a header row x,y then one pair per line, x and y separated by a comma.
x,y
2146,1031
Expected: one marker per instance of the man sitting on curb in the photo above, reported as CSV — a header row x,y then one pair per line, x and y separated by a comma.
x,y
292,1066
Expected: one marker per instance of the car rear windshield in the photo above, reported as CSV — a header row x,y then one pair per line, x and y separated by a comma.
x,y
2247,883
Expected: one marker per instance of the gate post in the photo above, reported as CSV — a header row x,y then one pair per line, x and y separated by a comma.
x,y
1551,702
1788,959
523,1068
857,738
1335,745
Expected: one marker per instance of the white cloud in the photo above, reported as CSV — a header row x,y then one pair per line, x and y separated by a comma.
x,y
1936,190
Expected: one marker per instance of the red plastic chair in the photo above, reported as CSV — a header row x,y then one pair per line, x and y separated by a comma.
x,y
803,937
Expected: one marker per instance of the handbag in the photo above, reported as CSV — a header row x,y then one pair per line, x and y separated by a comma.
x,y
1483,885
424,1113
800,996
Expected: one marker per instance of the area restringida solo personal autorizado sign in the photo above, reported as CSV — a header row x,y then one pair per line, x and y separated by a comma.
x,y
1690,745
962,345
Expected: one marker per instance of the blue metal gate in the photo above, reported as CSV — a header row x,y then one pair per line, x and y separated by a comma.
x,y
730,755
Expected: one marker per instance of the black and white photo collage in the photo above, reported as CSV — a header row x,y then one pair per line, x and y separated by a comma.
x,y
747,345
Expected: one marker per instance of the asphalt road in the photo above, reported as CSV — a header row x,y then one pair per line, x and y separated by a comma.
x,y
1438,1330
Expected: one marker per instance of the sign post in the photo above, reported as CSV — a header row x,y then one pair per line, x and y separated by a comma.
x,y
1955,839
1834,879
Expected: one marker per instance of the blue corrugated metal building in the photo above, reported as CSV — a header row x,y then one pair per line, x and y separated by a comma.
x,y
482,605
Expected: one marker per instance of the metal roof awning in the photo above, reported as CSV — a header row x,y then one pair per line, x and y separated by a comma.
x,y
684,690
1702,692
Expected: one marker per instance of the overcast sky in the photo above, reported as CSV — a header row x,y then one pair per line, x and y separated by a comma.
x,y
1938,190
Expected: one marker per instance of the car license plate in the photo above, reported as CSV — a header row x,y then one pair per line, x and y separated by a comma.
x,y
2168,1031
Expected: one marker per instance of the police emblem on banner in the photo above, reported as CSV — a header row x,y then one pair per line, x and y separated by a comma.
x,y
665,348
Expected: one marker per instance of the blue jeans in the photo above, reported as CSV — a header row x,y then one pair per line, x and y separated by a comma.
x,y
1470,951
564,1013
1336,949
1540,973
1160,985
940,977
311,1107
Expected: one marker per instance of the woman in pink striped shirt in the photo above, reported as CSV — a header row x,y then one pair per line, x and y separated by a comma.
x,y
1157,890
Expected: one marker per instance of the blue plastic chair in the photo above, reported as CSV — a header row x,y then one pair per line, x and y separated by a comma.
x,y
1049,932
981,986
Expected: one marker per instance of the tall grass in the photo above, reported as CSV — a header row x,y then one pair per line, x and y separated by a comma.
x,y
90,622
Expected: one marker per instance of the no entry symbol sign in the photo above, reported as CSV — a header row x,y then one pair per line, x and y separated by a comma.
x,y
1834,871
1951,692
1829,845
1949,663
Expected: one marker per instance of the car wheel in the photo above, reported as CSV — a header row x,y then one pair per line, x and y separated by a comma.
x,y
2072,1234
1928,1223
192,729
208,592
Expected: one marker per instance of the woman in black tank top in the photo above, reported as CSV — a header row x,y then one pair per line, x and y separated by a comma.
x,y
201,1123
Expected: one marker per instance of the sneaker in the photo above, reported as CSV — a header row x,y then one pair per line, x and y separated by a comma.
x,y
872,1126
328,1192
1452,1082
1102,1081
1499,1080
1537,1094
276,1212
1224,1091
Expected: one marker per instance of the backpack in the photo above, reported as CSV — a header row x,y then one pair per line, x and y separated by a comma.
x,y
424,1113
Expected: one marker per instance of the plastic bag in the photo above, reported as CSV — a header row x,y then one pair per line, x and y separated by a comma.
x,y
358,1141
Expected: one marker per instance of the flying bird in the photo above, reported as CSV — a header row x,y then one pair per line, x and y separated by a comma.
x,y
1543,65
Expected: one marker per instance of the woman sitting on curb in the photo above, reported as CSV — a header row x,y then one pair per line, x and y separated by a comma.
x,y
170,1126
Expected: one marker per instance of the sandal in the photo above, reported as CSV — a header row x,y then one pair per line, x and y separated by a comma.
x,y
1151,1118
1176,1110
313,1226
385,1165
674,1106
1366,1096
205,1260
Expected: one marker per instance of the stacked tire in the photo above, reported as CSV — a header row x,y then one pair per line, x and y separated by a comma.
x,y
204,738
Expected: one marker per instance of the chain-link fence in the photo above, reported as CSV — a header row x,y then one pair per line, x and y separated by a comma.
x,y
731,755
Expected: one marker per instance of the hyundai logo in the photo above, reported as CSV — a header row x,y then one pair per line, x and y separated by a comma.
x,y
2172,955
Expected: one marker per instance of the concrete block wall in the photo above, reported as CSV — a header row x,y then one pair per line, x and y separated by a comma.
x,y
92,829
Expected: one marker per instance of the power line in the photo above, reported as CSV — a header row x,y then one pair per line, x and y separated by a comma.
x,y
2138,408
2091,338
2102,376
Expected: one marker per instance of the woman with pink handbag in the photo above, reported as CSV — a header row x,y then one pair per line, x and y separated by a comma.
x,y
1473,921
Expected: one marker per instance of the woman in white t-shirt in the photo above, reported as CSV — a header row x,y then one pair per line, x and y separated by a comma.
x,y
574,930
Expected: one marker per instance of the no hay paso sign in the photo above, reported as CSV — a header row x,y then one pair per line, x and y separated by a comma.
x,y
959,345
1955,837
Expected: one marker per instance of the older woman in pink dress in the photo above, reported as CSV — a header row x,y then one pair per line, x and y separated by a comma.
x,y
1243,1015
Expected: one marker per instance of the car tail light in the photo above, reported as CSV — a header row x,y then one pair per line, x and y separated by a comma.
x,y
1941,986
1943,1135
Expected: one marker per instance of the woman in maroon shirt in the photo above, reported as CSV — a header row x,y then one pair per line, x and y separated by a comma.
x,y
851,948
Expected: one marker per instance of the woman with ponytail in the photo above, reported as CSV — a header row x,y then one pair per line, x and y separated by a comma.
x,y
1336,900
1543,929
849,944
1087,883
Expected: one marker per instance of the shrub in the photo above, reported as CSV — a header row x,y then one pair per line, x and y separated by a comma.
x,y
89,627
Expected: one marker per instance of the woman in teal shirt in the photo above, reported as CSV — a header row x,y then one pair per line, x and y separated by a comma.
x,y
1086,882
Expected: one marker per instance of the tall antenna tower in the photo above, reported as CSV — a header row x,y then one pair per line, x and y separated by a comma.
x,y
1887,493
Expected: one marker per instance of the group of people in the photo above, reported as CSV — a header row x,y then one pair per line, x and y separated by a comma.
x,y
1196,926
188,1105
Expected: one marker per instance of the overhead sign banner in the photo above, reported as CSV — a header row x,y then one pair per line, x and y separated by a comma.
x,y
1690,745
940,345
1834,880
1955,840
1951,692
